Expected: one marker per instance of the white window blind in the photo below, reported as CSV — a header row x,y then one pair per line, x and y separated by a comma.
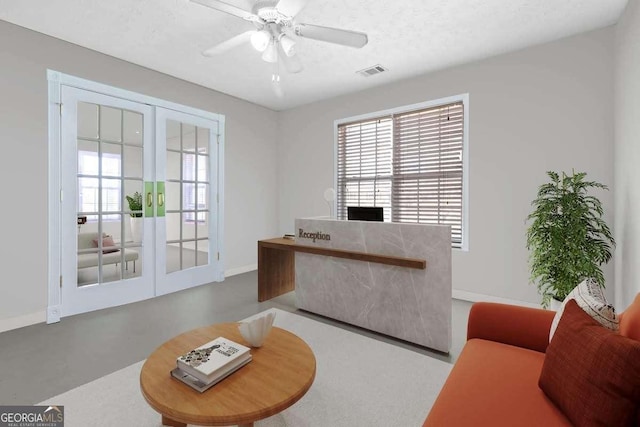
x,y
410,163
365,165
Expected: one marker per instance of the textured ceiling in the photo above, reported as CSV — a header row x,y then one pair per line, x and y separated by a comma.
x,y
408,37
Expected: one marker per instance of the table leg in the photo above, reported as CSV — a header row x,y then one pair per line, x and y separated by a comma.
x,y
166,421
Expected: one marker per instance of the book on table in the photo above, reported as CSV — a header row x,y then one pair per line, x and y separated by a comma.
x,y
200,385
212,362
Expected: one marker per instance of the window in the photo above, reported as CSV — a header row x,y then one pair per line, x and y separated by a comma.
x,y
195,193
410,161
89,184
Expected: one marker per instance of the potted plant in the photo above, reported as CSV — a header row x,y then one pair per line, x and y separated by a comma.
x,y
135,206
568,238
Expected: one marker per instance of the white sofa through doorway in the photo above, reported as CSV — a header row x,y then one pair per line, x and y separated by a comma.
x,y
88,241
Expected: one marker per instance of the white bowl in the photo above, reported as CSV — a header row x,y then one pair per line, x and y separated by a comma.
x,y
255,331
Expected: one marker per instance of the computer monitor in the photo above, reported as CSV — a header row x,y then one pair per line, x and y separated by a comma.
x,y
365,213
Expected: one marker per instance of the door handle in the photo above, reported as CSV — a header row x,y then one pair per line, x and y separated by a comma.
x,y
148,202
160,209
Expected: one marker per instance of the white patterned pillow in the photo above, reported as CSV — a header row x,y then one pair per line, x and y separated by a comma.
x,y
590,297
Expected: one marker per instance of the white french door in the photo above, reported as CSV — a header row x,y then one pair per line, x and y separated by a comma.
x,y
140,212
106,155
187,162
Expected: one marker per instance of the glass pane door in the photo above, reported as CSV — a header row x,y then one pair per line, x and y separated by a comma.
x,y
109,189
187,195
187,222
106,159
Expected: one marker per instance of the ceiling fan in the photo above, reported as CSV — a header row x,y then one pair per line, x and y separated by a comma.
x,y
275,26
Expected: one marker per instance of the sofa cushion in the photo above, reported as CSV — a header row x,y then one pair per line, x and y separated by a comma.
x,y
592,373
91,260
85,240
589,296
496,385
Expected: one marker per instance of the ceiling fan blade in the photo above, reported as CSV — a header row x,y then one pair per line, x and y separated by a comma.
x,y
291,7
291,63
332,35
228,44
227,8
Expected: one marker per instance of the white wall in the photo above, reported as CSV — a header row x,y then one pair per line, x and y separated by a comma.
x,y
543,108
250,158
627,155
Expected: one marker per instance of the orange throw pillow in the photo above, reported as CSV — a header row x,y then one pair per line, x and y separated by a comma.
x,y
591,373
630,323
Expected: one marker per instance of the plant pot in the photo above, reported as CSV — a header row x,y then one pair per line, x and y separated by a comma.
x,y
136,228
555,304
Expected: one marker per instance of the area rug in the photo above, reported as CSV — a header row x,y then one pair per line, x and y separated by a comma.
x,y
359,381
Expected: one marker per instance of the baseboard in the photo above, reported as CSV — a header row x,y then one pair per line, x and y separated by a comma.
x,y
240,270
41,316
474,297
22,321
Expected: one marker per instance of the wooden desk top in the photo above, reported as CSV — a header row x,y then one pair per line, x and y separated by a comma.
x,y
288,244
281,372
278,241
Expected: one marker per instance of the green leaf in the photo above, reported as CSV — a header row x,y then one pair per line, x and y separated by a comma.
x,y
567,238
135,204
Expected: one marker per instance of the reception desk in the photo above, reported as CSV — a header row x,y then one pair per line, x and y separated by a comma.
x,y
387,277
276,263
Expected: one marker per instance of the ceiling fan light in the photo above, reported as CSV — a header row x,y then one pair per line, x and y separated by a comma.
x,y
260,40
270,54
287,45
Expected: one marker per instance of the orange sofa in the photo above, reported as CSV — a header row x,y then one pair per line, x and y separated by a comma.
x,y
495,380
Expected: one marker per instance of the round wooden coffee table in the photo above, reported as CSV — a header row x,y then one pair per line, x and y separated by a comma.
x,y
281,372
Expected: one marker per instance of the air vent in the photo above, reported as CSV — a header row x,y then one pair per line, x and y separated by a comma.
x,y
376,69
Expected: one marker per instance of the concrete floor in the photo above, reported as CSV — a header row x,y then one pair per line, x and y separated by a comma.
x,y
41,361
